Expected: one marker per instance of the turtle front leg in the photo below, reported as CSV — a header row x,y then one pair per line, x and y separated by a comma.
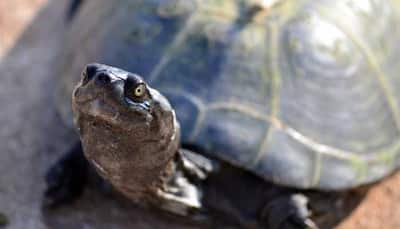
x,y
66,179
183,192
289,211
180,196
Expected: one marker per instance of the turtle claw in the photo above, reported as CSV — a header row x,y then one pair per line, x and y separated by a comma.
x,y
310,224
66,179
288,212
183,193
196,166
181,196
297,222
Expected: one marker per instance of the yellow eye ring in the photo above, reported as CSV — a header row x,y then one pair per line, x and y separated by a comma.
x,y
140,90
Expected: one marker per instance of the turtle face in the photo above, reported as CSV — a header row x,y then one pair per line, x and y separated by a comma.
x,y
125,127
117,97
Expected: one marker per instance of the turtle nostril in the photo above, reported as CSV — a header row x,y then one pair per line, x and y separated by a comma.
x,y
89,73
103,79
91,70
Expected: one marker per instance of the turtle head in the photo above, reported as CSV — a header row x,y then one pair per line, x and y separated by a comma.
x,y
117,97
126,127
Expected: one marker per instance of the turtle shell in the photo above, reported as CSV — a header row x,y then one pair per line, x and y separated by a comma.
x,y
304,93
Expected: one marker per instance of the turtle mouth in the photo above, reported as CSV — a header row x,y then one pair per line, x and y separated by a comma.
x,y
144,106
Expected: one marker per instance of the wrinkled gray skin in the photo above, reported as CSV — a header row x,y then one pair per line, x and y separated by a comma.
x,y
132,139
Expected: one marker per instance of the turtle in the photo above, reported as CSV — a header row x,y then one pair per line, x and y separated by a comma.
x,y
231,106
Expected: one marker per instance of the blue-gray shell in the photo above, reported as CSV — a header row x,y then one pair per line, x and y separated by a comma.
x,y
304,93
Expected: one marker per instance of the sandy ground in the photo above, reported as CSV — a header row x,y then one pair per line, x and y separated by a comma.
x,y
31,137
14,16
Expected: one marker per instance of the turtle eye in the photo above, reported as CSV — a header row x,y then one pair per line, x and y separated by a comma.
x,y
139,90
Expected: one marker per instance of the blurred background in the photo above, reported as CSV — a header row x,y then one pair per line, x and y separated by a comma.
x,y
14,17
31,137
